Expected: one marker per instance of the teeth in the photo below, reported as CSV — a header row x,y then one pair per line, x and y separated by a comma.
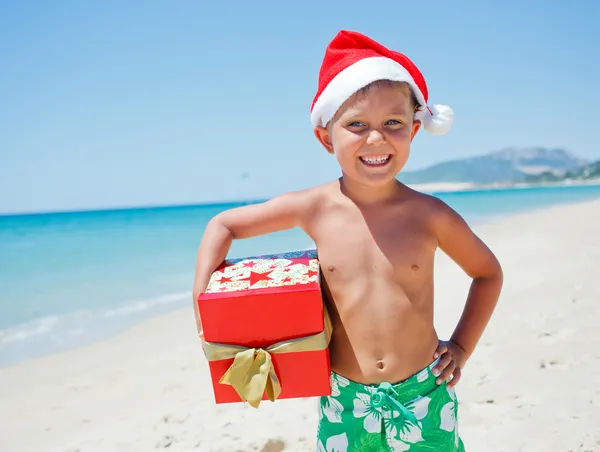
x,y
375,160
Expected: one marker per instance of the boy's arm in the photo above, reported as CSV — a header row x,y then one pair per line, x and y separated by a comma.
x,y
468,251
282,212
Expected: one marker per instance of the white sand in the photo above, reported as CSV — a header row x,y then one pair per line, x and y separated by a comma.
x,y
532,385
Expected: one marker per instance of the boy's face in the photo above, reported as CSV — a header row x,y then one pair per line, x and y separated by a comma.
x,y
371,134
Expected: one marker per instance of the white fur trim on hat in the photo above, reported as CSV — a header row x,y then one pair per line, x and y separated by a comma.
x,y
352,79
366,71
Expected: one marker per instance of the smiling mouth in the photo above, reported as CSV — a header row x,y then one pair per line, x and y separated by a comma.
x,y
376,160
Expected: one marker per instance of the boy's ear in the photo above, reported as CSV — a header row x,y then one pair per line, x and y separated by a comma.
x,y
415,128
324,138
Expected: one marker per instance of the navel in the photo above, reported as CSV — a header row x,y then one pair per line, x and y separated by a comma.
x,y
379,364
414,267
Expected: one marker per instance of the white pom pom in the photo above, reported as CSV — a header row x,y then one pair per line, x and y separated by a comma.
x,y
439,121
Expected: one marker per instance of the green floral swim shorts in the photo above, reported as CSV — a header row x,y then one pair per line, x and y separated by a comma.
x,y
414,415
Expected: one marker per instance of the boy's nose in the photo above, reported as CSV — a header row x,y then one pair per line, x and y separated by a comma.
x,y
375,138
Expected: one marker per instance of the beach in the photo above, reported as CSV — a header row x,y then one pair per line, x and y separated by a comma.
x,y
533,383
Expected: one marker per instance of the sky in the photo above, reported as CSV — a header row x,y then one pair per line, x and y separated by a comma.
x,y
124,103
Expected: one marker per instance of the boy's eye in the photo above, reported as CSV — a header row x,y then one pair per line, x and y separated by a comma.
x,y
356,124
393,122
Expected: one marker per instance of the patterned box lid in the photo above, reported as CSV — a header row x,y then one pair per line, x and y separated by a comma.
x,y
262,272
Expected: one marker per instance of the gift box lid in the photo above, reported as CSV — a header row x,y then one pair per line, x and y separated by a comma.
x,y
263,299
289,270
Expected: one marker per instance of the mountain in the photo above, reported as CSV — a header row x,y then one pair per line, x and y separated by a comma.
x,y
586,172
510,165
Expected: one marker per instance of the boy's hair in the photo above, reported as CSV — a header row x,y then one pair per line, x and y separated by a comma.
x,y
383,83
389,84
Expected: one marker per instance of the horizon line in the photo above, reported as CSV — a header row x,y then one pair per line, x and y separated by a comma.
x,y
465,190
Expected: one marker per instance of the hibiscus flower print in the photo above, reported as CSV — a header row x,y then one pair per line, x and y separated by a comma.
x,y
336,443
423,375
401,430
338,381
449,415
330,407
371,415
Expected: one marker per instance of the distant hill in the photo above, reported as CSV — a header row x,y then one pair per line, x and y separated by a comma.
x,y
511,165
586,172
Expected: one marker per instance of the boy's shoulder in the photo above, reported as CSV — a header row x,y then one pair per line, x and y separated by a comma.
x,y
311,196
432,208
300,205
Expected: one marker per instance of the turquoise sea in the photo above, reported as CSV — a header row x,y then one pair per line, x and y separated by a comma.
x,y
67,279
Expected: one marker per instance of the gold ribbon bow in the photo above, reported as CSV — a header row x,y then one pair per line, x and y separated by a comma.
x,y
252,371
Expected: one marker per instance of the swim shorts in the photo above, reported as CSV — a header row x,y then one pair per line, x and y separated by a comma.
x,y
414,415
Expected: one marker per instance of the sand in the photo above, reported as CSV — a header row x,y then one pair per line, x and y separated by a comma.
x,y
533,383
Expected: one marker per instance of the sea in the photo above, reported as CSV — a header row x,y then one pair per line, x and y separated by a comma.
x,y
71,278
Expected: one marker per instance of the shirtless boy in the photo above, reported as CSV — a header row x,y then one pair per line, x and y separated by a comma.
x,y
392,378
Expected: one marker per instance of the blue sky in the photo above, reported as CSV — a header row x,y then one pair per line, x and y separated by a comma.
x,y
135,103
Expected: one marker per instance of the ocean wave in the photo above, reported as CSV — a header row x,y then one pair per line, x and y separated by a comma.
x,y
55,333
142,305
30,329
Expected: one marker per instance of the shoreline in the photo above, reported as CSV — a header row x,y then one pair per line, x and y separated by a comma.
x,y
149,387
460,187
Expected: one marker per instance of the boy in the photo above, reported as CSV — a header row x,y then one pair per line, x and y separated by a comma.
x,y
392,378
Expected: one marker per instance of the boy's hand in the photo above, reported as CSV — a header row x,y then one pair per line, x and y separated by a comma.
x,y
452,360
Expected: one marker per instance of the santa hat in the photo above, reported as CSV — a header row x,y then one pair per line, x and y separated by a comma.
x,y
352,61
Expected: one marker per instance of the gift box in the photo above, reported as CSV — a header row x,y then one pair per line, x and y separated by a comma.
x,y
266,329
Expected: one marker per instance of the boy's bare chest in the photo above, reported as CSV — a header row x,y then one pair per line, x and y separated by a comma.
x,y
392,247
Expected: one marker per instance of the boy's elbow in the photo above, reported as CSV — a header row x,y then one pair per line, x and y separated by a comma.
x,y
498,272
218,225
493,272
489,269
498,275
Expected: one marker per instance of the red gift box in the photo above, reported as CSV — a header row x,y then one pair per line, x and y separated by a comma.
x,y
255,302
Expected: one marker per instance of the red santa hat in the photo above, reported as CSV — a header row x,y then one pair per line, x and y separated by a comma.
x,y
352,61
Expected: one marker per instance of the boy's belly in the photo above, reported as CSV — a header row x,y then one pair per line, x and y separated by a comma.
x,y
380,340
